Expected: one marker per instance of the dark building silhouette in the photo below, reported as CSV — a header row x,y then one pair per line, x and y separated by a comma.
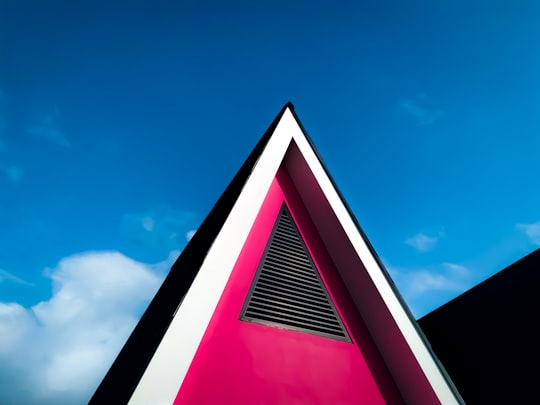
x,y
488,338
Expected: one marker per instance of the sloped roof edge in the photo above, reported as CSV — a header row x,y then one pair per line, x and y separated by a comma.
x,y
131,362
127,370
376,257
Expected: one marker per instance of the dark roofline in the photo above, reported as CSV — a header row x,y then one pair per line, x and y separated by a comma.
x,y
487,336
126,371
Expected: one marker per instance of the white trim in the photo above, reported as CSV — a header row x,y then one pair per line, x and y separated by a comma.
x,y
167,369
170,363
424,357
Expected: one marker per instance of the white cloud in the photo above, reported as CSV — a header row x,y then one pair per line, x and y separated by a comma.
x,y
422,242
48,129
419,282
57,351
426,288
15,321
189,234
532,231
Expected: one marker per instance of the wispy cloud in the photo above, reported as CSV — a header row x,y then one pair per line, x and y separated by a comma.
x,y
148,223
532,231
419,284
7,276
13,173
189,234
422,242
162,226
57,351
456,270
422,115
444,276
48,128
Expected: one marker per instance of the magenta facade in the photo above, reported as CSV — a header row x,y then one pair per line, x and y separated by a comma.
x,y
195,345
247,363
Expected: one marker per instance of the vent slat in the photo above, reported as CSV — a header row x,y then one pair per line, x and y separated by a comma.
x,y
297,319
285,234
270,282
291,302
302,271
290,295
284,322
287,254
287,290
291,277
285,238
272,304
295,315
292,274
292,250
272,260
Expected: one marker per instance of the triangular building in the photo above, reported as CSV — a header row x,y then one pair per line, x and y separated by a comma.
x,y
278,299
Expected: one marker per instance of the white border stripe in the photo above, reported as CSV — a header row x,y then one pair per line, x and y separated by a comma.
x,y
167,369
163,377
417,345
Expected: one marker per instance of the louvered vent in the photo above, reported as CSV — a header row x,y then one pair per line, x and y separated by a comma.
x,y
287,290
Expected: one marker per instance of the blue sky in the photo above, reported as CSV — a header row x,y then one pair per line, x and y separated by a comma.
x,y
121,125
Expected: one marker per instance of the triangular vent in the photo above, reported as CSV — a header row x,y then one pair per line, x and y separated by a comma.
x,y
287,290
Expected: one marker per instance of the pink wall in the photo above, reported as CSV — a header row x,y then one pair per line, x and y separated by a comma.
x,y
370,305
246,363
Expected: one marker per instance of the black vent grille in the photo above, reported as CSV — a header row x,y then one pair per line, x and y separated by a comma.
x,y
287,290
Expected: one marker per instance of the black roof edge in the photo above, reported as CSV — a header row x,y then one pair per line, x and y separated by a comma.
x,y
120,382
379,261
